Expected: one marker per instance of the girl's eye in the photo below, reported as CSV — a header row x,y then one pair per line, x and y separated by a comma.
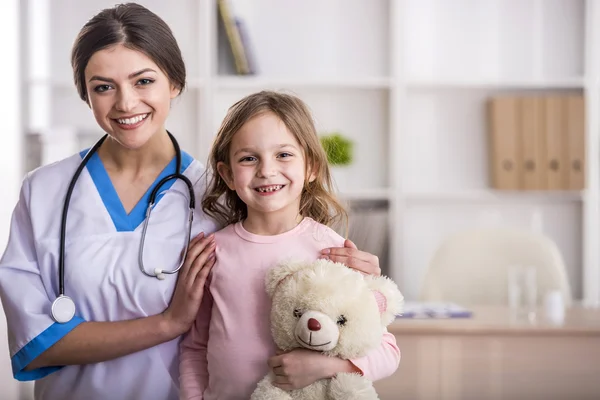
x,y
297,313
285,155
145,81
101,88
248,159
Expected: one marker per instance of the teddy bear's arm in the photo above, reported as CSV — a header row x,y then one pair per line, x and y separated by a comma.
x,y
266,391
351,387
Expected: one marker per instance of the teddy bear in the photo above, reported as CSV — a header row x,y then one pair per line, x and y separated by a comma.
x,y
327,307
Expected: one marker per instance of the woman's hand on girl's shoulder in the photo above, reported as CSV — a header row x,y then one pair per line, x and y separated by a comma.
x,y
185,303
352,257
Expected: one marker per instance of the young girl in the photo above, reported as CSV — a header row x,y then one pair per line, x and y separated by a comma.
x,y
272,187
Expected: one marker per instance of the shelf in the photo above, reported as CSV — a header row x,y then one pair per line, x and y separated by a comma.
x,y
524,84
495,196
494,38
370,194
336,38
257,82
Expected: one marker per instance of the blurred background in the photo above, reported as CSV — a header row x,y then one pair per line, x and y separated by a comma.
x,y
465,133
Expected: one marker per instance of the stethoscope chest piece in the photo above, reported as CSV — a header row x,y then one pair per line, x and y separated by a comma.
x,y
63,309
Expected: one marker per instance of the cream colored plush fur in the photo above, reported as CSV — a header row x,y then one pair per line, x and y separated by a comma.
x,y
330,308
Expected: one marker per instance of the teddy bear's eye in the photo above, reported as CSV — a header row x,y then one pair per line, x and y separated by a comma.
x,y
297,313
341,321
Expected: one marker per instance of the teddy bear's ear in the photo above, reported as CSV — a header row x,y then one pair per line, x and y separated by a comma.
x,y
389,298
283,270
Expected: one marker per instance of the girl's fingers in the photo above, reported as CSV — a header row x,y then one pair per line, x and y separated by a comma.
x,y
347,252
281,380
364,267
356,259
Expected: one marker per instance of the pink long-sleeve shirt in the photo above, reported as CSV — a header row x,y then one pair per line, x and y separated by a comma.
x,y
225,353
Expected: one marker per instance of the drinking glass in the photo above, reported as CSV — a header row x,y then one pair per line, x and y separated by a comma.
x,y
522,292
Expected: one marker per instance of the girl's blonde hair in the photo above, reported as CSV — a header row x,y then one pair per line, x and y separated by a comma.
x,y
317,200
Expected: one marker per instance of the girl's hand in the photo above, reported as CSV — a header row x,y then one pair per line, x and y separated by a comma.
x,y
302,367
183,309
353,258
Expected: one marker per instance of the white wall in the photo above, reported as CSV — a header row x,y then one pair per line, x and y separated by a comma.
x,y
10,160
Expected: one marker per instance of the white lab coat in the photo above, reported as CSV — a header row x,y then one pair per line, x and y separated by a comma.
x,y
102,276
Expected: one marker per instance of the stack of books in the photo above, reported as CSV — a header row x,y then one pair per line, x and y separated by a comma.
x,y
237,35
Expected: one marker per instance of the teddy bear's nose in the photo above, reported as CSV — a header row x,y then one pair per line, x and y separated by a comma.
x,y
313,324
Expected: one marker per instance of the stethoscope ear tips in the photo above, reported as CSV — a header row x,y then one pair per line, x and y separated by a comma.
x,y
159,274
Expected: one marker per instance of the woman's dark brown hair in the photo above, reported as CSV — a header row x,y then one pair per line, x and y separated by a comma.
x,y
317,200
135,27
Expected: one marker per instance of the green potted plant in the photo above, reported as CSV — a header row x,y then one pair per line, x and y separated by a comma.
x,y
338,149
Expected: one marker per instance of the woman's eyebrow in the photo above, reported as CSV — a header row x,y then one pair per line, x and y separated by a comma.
x,y
132,75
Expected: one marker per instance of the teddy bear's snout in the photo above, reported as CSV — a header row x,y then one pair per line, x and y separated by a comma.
x,y
317,331
314,325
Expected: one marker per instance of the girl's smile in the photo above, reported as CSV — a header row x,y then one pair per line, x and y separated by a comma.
x,y
269,189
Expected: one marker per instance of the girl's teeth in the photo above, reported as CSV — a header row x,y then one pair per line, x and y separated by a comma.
x,y
134,120
270,189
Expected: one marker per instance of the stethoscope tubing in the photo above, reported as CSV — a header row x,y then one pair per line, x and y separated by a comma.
x,y
151,203
65,210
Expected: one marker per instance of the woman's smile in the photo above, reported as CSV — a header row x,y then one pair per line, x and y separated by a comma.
x,y
131,122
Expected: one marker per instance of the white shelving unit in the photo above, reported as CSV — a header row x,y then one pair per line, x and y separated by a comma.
x,y
406,80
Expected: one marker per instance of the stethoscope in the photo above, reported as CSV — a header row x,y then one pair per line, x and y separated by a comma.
x,y
63,307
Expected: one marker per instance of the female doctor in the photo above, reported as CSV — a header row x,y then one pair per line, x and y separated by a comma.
x,y
97,291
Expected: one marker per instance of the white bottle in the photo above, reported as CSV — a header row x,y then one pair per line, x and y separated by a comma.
x,y
554,307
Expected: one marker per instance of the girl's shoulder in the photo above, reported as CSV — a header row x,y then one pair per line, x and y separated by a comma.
x,y
225,232
324,234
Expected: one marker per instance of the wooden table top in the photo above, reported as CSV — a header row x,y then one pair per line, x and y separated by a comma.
x,y
579,321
